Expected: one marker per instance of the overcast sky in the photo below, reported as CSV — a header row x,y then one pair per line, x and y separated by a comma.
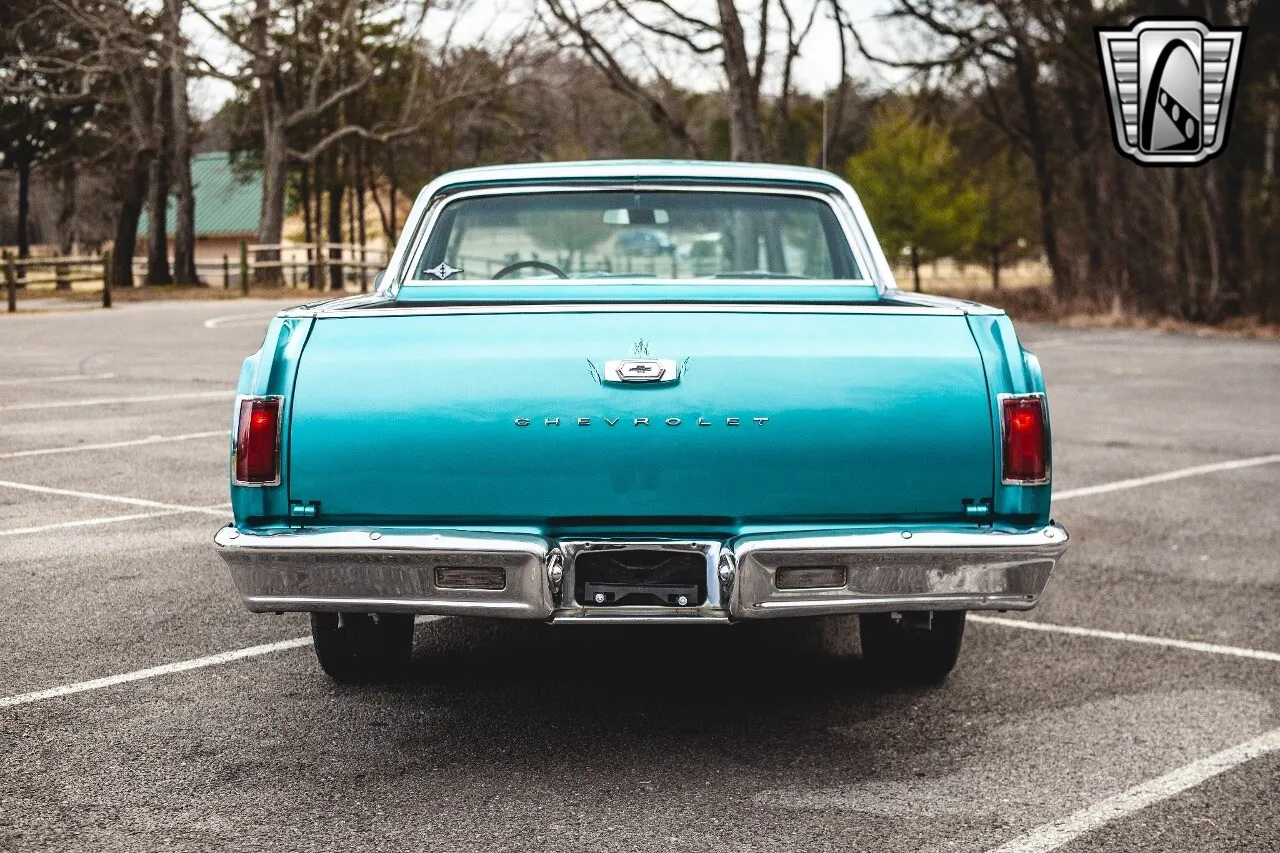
x,y
817,68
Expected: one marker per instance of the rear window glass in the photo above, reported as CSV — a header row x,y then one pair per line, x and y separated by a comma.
x,y
672,235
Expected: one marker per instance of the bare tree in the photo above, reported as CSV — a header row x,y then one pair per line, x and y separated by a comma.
x,y
158,271
44,113
578,30
116,64
325,40
614,34
184,248
1000,42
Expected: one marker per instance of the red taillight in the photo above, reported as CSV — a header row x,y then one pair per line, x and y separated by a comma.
x,y
257,451
1026,440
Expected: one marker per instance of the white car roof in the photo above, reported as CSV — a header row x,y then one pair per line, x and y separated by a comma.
x,y
880,272
638,170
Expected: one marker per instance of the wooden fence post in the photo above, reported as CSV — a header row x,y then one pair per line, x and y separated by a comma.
x,y
336,270
61,277
318,282
10,282
226,272
106,279
244,268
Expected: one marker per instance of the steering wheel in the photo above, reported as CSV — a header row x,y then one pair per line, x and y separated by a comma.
x,y
522,265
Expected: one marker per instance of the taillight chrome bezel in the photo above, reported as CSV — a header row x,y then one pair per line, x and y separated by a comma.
x,y
1039,397
241,399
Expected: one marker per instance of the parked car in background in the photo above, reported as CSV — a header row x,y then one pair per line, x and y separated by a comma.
x,y
643,242
778,433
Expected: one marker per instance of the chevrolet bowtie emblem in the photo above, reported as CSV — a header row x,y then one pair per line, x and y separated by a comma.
x,y
640,370
1170,83
442,271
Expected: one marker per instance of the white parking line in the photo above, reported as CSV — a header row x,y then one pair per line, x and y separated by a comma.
x,y
1051,836
1047,837
169,669
114,401
47,490
74,448
110,519
40,380
230,320
1167,476
1142,639
153,672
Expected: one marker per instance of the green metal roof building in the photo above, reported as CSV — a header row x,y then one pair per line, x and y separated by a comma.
x,y
228,205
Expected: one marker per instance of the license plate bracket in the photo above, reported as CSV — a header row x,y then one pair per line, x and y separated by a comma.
x,y
660,595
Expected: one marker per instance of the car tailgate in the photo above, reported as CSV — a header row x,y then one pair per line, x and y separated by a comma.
x,y
777,417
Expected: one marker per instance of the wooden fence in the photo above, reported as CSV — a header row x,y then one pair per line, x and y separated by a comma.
x,y
314,265
306,264
62,271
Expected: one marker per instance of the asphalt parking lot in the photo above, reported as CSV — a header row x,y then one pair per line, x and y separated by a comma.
x,y
1138,708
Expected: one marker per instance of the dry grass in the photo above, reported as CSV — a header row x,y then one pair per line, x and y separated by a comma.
x,y
1024,296
161,292
1037,304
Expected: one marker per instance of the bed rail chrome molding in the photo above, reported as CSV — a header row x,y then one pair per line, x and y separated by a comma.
x,y
394,571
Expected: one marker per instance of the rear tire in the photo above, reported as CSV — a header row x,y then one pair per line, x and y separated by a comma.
x,y
358,647
904,651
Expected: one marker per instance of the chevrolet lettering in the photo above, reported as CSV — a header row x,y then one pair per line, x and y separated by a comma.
x,y
531,418
613,422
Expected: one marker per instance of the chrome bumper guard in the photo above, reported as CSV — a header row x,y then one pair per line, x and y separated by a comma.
x,y
388,571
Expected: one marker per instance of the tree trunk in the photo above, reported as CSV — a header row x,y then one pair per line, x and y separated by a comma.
x,y
842,88
24,209
304,193
67,209
995,267
362,236
184,231
746,138
350,177
158,207
131,202
915,267
317,224
275,149
335,230
1025,69
391,179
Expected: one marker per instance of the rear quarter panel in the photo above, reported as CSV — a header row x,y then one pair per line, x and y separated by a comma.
x,y
270,370
1011,370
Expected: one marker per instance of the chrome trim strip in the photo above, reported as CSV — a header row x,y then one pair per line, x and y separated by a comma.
x,y
417,242
1052,534
235,438
347,540
641,615
441,606
407,240
633,307
845,213
1044,414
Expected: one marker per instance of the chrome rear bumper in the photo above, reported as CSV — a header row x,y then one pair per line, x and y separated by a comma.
x,y
390,571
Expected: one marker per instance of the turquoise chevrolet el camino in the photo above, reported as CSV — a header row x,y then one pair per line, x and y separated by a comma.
x,y
658,392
